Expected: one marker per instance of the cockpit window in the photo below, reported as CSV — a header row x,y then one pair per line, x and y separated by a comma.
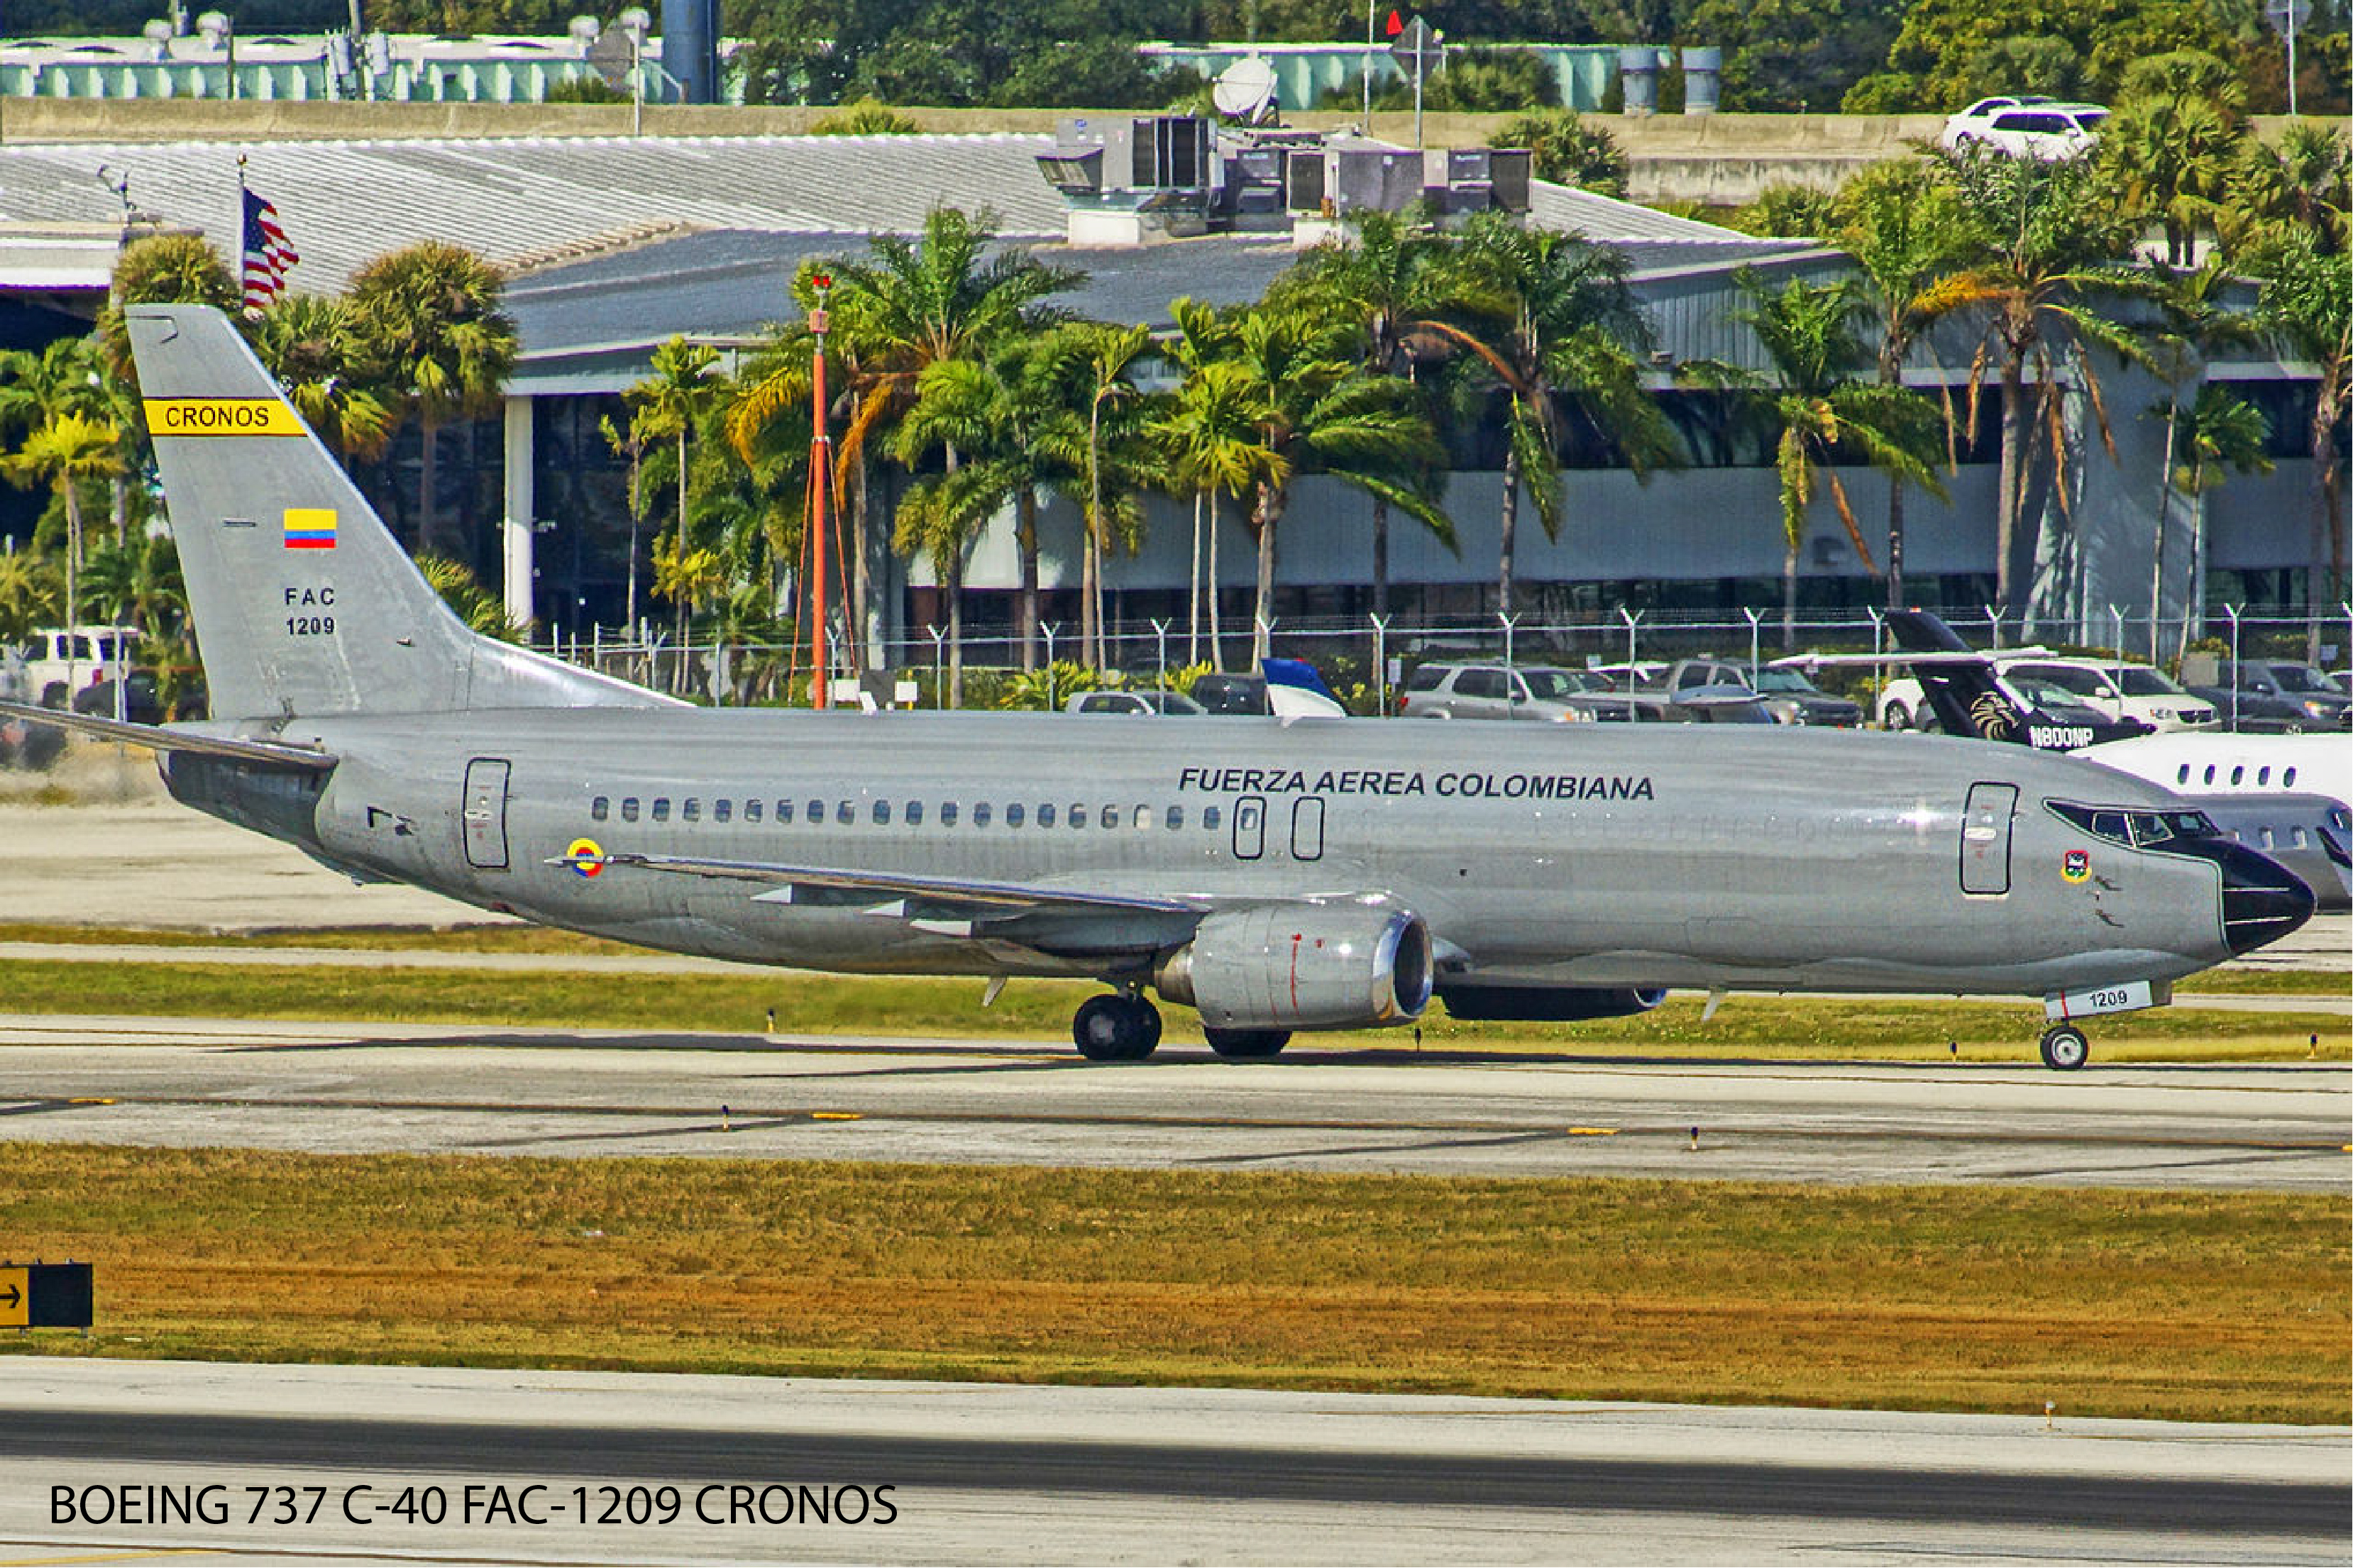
x,y
2142,829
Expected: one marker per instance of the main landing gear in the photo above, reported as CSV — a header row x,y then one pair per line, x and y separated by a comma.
x,y
1118,1026
2064,1048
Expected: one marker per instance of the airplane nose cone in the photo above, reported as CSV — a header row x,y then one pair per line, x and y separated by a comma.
x,y
2262,900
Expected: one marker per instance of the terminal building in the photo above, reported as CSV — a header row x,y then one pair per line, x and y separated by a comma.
x,y
614,244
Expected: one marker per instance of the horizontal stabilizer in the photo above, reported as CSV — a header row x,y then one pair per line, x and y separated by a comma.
x,y
162,738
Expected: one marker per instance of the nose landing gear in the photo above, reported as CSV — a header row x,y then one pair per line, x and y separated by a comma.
x,y
2064,1048
1118,1026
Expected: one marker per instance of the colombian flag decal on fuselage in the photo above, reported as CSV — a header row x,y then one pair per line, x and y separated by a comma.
x,y
309,527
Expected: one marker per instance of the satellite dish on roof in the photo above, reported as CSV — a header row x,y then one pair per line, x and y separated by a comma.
x,y
1245,90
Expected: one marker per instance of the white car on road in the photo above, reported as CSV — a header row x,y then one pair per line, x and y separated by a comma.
x,y
2040,127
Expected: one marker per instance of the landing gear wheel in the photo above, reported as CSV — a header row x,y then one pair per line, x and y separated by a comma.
x,y
2064,1048
1898,717
1115,1028
1245,1045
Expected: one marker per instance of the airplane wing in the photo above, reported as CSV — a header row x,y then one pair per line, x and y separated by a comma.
x,y
904,895
162,738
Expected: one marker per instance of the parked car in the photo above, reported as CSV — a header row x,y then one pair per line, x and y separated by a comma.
x,y
1231,694
1812,704
78,656
2040,127
143,702
1700,705
1151,700
2277,695
1495,691
2120,692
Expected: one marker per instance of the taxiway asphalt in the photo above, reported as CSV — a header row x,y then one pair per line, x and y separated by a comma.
x,y
454,1089
985,1473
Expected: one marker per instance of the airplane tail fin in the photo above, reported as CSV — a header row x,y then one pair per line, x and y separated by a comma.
x,y
303,602
1294,691
1967,698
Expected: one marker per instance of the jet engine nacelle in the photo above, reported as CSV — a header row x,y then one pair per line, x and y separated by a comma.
x,y
1300,967
1546,1004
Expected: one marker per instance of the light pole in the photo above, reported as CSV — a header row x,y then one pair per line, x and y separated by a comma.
x,y
1629,621
2232,611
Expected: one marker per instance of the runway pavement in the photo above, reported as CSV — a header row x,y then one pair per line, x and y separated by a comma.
x,y
987,1473
380,1087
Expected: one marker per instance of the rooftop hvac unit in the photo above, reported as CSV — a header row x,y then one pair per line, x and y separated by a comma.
x,y
1302,179
1509,171
1370,177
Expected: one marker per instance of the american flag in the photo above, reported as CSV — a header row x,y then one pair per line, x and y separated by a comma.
x,y
267,253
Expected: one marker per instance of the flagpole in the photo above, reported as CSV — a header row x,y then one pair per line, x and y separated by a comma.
x,y
820,484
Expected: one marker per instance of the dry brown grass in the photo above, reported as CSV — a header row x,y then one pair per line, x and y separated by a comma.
x,y
2189,1305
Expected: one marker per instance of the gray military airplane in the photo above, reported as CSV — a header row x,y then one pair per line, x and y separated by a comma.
x,y
1276,874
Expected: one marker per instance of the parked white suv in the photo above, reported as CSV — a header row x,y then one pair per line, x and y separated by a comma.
x,y
2121,691
2038,127
1496,691
78,655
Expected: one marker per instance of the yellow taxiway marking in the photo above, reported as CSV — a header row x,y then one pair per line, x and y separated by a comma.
x,y
835,1116
1593,1133
94,1099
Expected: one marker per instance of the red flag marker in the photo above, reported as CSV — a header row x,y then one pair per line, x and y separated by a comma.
x,y
1396,23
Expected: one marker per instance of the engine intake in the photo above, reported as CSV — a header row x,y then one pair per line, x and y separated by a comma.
x,y
1303,967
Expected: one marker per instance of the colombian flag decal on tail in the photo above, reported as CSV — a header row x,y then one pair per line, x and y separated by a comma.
x,y
309,527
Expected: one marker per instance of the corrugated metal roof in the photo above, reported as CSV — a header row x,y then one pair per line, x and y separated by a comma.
x,y
346,202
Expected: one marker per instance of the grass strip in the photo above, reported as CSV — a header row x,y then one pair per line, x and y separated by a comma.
x,y
1895,1029
2197,1306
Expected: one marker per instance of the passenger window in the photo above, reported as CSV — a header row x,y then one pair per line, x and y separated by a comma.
x,y
2183,777
1209,818
2263,775
2297,836
751,811
914,814
881,814
1078,816
2210,773
690,810
948,813
846,812
720,810
1045,816
980,814
598,807
661,808
630,808
783,811
2267,838
815,813
2287,779
2239,775
1013,815
1111,817
1142,817
1175,816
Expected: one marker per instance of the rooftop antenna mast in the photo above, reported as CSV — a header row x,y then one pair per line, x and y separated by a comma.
x,y
820,483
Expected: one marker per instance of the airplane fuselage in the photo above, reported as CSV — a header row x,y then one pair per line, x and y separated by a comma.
x,y
1700,858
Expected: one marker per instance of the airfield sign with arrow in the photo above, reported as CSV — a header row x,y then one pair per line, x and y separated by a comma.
x,y
15,1298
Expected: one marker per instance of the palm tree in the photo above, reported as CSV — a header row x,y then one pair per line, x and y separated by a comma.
x,y
2218,432
2301,187
666,406
1809,331
1106,358
1398,276
972,412
162,269
28,593
2195,316
913,302
1562,327
137,581
2175,156
312,344
64,452
1319,409
1211,433
433,336
2306,308
2050,234
1905,227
